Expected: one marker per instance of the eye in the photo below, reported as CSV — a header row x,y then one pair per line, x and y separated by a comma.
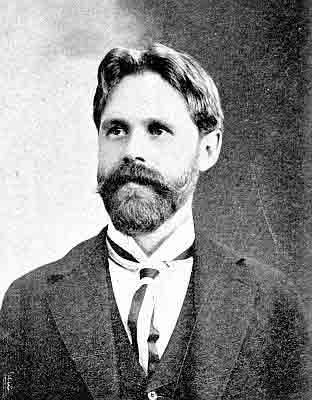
x,y
116,131
157,129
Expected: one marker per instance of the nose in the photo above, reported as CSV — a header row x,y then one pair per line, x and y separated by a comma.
x,y
136,146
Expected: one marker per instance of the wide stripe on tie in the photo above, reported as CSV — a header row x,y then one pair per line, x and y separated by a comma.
x,y
135,308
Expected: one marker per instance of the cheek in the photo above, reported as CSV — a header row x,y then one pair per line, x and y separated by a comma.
x,y
108,156
181,156
178,164
103,150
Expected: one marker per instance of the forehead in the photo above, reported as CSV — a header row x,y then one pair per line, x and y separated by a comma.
x,y
145,95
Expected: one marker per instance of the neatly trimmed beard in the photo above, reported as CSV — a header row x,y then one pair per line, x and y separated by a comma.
x,y
139,199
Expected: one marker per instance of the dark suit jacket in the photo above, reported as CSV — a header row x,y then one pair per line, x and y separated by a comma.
x,y
248,342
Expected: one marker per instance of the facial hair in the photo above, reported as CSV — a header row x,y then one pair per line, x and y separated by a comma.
x,y
142,208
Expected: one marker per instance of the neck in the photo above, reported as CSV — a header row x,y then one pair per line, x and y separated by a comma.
x,y
150,242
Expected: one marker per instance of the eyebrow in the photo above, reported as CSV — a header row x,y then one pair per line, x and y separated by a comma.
x,y
113,122
160,123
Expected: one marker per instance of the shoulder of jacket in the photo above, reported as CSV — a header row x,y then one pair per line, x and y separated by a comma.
x,y
269,281
39,278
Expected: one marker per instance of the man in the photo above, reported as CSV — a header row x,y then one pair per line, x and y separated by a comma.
x,y
150,308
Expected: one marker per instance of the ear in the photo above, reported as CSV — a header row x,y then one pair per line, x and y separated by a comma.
x,y
209,150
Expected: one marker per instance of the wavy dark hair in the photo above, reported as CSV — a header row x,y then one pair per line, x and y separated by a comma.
x,y
180,70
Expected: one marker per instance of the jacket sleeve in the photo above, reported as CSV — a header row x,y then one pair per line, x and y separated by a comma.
x,y
13,362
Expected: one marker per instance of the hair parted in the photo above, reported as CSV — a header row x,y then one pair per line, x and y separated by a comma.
x,y
180,70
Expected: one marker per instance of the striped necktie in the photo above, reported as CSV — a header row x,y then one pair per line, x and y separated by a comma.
x,y
144,334
141,312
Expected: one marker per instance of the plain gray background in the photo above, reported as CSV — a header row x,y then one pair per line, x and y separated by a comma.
x,y
258,197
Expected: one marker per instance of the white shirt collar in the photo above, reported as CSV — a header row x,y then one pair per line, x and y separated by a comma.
x,y
181,238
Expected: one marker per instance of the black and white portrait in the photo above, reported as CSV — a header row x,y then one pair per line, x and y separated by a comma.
x,y
156,203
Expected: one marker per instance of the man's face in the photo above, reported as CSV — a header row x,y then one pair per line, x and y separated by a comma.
x,y
148,152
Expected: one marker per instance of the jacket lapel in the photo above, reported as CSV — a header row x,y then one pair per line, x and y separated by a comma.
x,y
81,307
224,295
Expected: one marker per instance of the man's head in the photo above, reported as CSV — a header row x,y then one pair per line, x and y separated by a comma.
x,y
160,122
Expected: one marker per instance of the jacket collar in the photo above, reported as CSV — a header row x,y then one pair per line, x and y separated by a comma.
x,y
80,306
224,296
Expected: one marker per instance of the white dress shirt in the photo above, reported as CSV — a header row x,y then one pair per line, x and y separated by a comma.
x,y
171,284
